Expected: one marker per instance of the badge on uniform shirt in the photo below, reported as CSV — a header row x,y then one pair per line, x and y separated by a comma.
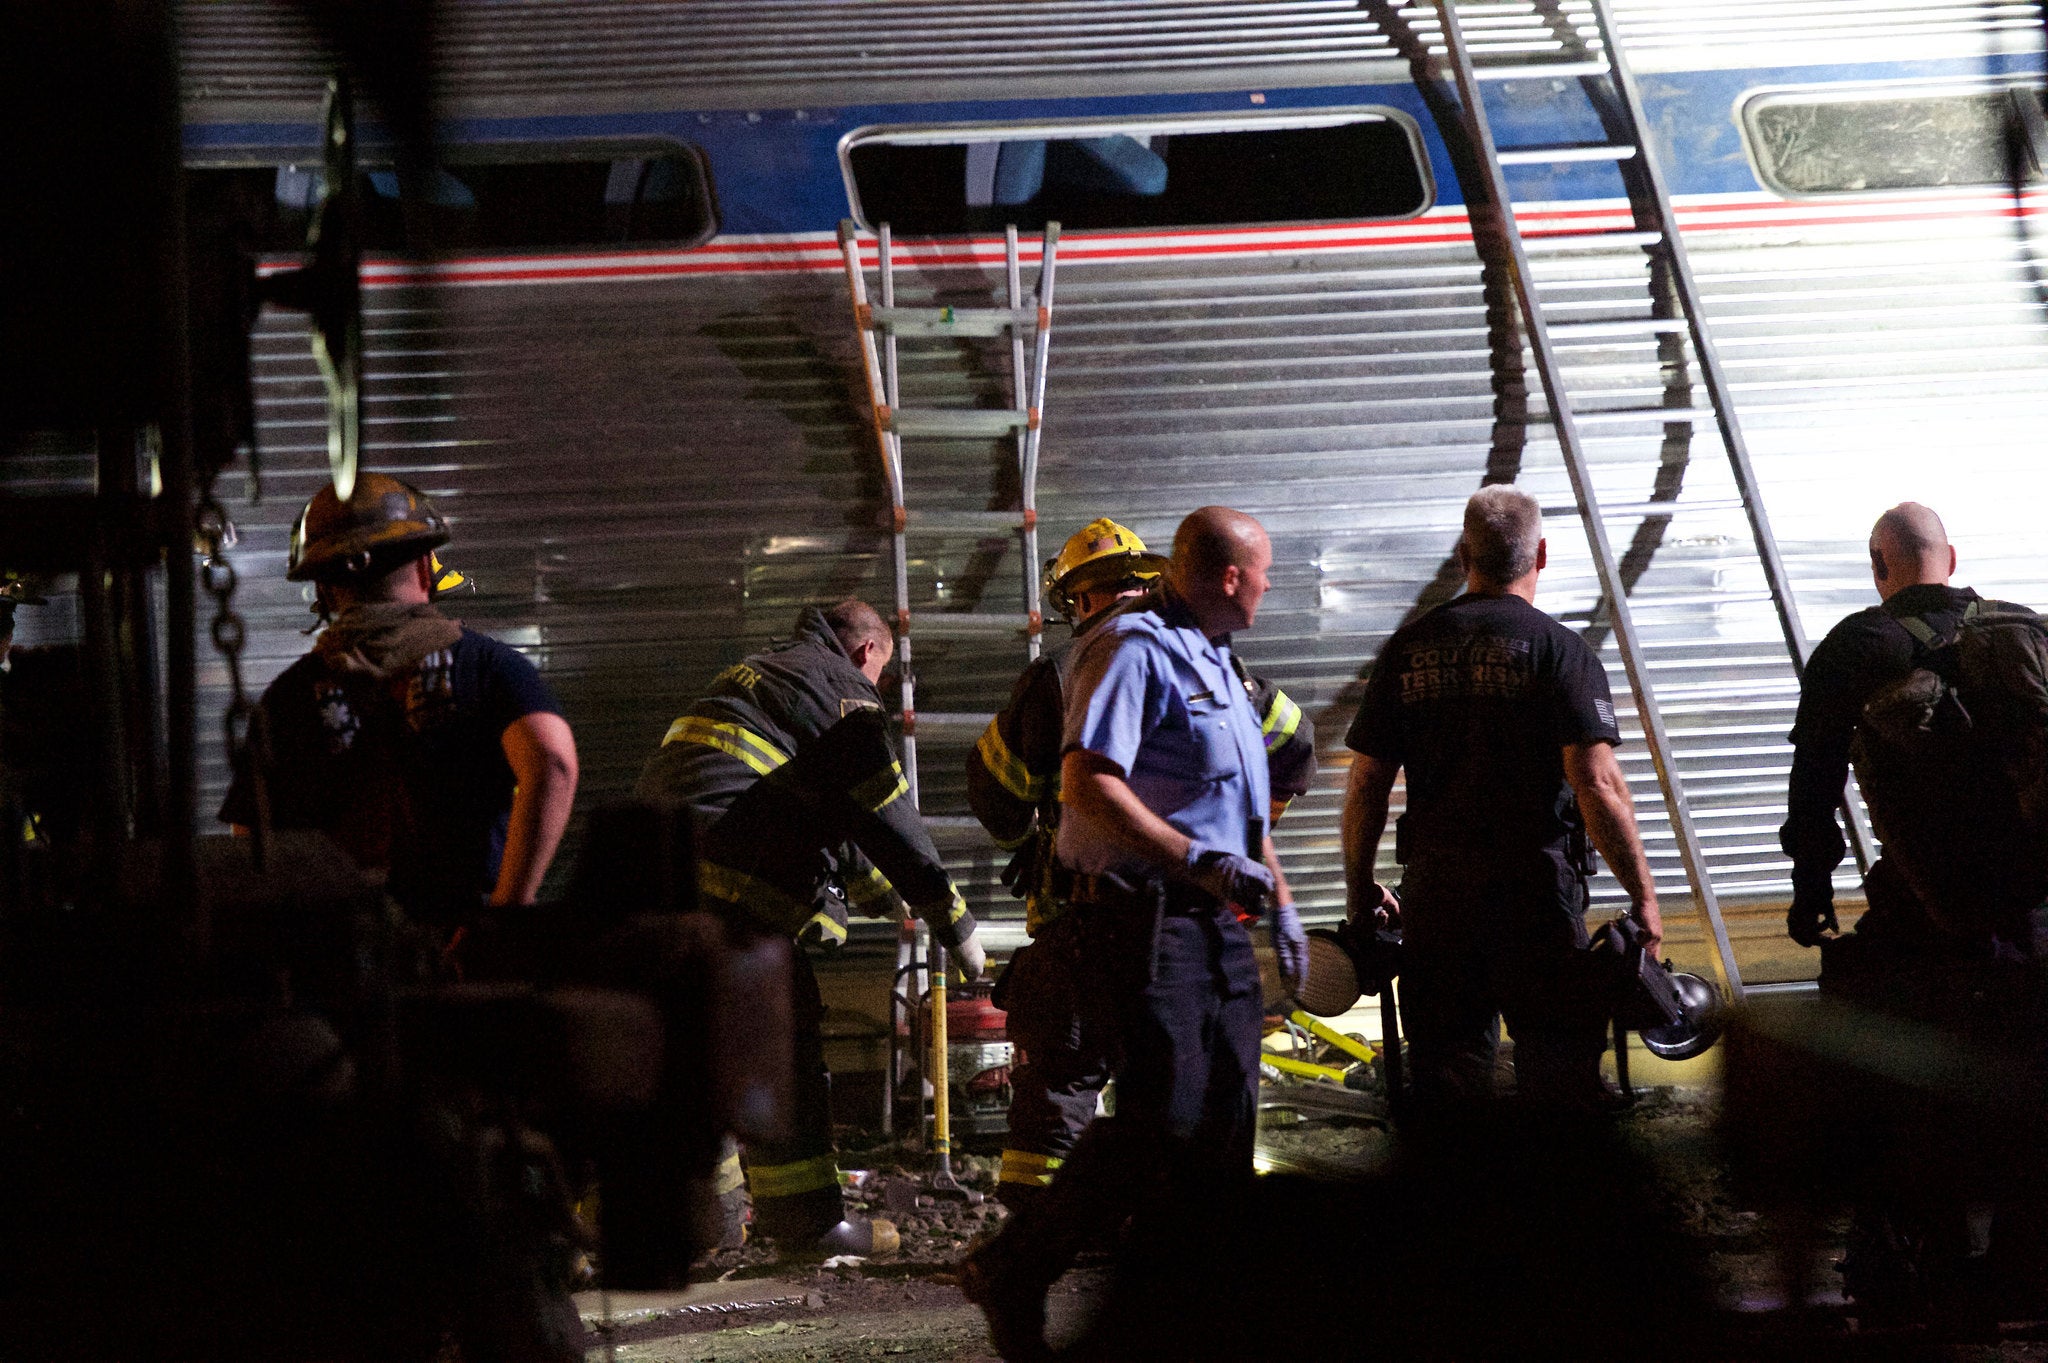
x,y
430,691
337,718
1605,709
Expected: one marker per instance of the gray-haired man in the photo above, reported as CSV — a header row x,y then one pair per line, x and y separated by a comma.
x,y
1500,716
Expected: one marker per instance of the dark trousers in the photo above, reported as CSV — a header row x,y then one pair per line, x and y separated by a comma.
x,y
1062,1055
794,1182
1489,934
1184,993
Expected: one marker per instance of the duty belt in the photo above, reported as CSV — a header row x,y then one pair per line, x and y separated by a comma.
x,y
1110,891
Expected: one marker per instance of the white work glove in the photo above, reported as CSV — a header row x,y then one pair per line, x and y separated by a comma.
x,y
1290,940
970,957
1230,877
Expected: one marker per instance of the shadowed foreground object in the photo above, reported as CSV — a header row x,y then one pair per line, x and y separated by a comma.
x,y
1922,1112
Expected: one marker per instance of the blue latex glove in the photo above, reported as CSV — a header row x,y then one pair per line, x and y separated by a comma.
x,y
1290,940
1230,877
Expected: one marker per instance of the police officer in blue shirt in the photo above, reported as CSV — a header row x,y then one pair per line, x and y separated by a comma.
x,y
1165,785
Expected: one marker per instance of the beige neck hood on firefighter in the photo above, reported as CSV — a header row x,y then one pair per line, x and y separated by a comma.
x,y
385,639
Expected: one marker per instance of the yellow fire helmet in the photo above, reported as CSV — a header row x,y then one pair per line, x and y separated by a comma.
x,y
1103,556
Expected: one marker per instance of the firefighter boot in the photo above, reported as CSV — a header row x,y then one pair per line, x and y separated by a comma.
x,y
858,1235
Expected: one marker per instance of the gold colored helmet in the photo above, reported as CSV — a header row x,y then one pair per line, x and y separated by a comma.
x,y
385,523
1102,556
16,591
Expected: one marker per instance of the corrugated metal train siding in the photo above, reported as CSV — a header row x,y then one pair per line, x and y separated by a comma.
x,y
544,55
648,479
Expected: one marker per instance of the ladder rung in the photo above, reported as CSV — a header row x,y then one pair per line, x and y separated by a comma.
x,y
1566,151
964,522
1620,326
966,421
1630,510
1539,70
1651,603
950,723
1622,416
970,624
952,321
957,830
1587,241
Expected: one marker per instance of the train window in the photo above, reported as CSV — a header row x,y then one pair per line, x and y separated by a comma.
x,y
1831,142
491,199
1288,166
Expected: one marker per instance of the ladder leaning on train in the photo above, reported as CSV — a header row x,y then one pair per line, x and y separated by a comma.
x,y
1599,64
1021,421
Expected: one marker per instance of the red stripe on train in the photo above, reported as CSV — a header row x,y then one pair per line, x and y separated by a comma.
x,y
822,254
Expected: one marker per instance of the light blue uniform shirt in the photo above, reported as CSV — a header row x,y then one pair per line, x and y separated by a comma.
x,y
1151,693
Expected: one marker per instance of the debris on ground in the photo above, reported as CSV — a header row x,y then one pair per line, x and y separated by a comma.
x,y
905,1306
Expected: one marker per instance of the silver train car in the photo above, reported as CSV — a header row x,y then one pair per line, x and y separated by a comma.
x,y
631,377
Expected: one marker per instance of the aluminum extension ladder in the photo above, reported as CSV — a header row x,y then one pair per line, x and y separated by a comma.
x,y
1020,421
895,423
1656,231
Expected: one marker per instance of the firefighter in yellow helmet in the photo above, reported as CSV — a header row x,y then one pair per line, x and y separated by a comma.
x,y
431,753
1013,779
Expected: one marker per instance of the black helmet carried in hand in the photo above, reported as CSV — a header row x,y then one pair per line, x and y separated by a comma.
x,y
1677,1015
384,525
1702,1016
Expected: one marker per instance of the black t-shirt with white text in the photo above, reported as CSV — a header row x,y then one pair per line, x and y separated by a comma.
x,y
1476,700
409,776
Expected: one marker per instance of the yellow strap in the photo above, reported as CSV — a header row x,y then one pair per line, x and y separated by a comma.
x,y
1026,1166
882,789
1283,717
737,887
728,1176
1010,773
959,909
730,739
868,888
793,1180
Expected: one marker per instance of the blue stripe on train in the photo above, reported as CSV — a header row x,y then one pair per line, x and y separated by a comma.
x,y
777,171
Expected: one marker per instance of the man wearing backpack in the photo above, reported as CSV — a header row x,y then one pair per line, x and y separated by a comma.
x,y
1938,695
1941,699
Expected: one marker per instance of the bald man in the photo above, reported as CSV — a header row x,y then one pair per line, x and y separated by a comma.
x,y
1165,835
1911,562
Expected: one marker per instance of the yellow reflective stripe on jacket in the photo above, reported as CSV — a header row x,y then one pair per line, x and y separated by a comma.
x,y
794,1179
868,888
829,928
730,739
882,789
1283,717
1010,773
1025,1166
728,1177
959,909
737,887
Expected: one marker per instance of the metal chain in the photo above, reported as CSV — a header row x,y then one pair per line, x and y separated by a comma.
x,y
243,727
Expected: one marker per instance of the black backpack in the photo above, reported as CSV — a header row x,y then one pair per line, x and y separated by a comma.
x,y
1952,759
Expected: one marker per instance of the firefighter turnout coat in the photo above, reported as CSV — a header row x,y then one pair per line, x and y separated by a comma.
x,y
787,767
